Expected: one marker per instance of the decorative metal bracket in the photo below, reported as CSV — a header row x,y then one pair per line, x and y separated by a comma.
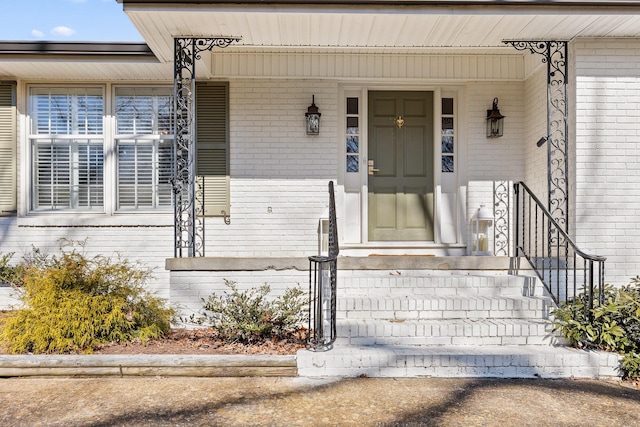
x,y
225,217
554,54
189,203
501,213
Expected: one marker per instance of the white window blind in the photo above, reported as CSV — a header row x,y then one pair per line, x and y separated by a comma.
x,y
67,148
144,110
144,143
66,111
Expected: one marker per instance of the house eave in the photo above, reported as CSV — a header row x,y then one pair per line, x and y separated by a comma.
x,y
445,3
80,61
76,50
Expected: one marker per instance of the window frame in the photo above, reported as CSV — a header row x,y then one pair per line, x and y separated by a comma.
x,y
155,138
75,138
108,215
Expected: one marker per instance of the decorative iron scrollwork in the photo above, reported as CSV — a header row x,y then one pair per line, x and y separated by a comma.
x,y
501,214
189,200
554,54
226,218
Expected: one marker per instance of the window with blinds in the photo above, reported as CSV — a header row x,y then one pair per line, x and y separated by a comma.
x,y
144,141
7,150
67,142
212,146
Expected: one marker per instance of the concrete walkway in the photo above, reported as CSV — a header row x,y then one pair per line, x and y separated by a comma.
x,y
259,401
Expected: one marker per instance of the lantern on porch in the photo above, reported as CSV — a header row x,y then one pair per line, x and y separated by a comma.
x,y
313,118
495,121
482,232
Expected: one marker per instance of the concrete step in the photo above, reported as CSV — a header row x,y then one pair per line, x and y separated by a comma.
x,y
458,361
429,332
419,283
444,307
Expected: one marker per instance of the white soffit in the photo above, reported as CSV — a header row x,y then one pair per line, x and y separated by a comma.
x,y
70,70
398,29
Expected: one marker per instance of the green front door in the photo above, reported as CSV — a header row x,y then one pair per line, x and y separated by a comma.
x,y
400,166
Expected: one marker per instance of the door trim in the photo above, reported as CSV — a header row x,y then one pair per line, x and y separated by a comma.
x,y
353,188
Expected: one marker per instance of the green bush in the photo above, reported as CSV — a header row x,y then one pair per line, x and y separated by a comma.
x,y
74,304
14,274
9,274
250,317
613,325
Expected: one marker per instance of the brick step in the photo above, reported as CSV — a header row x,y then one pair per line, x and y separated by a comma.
x,y
444,307
418,283
458,361
472,332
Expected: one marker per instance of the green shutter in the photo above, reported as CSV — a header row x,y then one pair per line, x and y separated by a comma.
x,y
7,150
212,145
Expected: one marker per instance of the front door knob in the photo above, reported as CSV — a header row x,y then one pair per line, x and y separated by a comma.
x,y
371,169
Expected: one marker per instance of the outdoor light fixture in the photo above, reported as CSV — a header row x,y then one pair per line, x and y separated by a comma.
x,y
541,141
313,118
482,230
495,121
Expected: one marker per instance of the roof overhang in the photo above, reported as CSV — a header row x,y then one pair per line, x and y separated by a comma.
x,y
378,24
115,51
448,3
80,61
322,25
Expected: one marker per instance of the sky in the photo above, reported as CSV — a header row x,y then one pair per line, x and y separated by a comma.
x,y
66,20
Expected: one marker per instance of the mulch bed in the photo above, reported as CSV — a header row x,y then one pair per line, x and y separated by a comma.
x,y
205,341
197,341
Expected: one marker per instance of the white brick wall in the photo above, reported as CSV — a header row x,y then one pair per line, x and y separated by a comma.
x,y
607,145
493,159
267,123
535,95
149,245
279,174
188,288
496,158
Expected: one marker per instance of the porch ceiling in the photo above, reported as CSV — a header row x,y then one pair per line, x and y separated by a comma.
x,y
378,26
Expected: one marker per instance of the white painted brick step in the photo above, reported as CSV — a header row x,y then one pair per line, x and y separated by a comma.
x,y
458,361
472,332
386,283
452,306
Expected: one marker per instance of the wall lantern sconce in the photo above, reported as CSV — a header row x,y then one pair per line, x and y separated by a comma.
x,y
482,230
313,118
495,121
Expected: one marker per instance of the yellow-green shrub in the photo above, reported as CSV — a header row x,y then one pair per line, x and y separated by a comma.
x,y
75,303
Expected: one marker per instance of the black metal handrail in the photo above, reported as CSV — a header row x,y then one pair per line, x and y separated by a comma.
x,y
322,288
561,266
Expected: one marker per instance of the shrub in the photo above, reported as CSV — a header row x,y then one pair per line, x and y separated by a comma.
x,y
613,325
14,274
74,304
249,316
9,274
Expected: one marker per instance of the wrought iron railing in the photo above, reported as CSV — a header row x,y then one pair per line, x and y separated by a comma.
x,y
564,269
322,288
